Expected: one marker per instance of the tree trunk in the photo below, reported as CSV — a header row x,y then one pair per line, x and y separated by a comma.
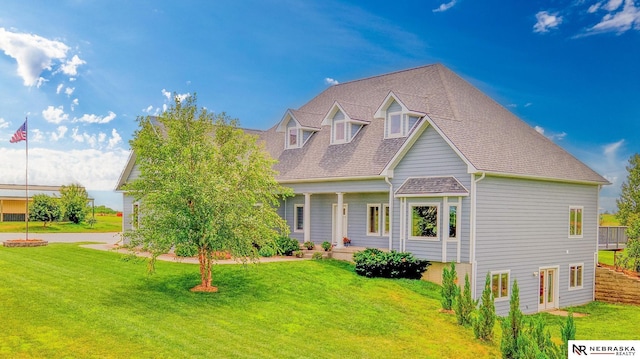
x,y
205,272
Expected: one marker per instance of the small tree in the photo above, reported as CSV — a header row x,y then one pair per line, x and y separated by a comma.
x,y
465,304
450,288
203,183
629,201
44,209
483,325
512,325
567,332
630,258
75,202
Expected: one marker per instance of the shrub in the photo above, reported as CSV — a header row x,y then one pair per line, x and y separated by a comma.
x,y
465,304
219,255
317,255
298,254
183,250
309,245
267,251
373,262
287,245
568,332
512,325
326,246
449,289
483,325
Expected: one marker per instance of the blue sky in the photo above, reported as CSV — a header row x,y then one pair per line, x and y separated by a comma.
x,y
84,70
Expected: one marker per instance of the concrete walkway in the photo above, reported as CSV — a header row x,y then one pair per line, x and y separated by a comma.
x,y
109,242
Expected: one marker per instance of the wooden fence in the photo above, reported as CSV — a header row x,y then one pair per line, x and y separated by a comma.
x,y
612,237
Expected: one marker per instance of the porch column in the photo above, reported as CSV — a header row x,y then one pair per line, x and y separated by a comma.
x,y
339,219
307,217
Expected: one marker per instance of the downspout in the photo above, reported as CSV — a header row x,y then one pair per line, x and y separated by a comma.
x,y
386,179
472,239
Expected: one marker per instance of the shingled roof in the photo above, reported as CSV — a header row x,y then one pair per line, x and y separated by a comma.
x,y
488,137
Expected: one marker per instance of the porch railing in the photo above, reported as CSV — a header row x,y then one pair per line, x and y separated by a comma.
x,y
611,237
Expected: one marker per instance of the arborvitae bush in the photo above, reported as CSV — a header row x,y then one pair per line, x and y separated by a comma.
x,y
483,325
568,332
449,289
465,305
373,262
512,325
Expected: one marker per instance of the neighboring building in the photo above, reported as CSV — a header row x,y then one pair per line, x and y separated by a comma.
x,y
13,200
421,161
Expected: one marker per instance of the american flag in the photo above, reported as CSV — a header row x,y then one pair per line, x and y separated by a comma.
x,y
21,134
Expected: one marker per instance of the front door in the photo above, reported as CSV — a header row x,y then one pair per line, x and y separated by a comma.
x,y
547,297
345,224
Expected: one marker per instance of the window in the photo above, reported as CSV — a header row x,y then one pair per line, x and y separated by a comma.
x,y
453,222
395,125
298,218
373,219
500,284
339,132
575,222
135,216
575,276
385,210
292,138
424,221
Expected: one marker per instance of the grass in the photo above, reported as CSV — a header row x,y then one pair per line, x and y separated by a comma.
x,y
66,301
104,224
606,257
607,219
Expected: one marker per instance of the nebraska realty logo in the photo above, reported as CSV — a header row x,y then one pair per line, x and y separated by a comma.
x,y
603,348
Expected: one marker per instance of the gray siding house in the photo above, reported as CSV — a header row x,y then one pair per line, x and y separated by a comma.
x,y
421,161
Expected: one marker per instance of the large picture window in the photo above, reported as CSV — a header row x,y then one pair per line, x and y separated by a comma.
x,y
500,284
298,218
575,222
424,221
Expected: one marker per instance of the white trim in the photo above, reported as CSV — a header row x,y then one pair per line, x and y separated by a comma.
x,y
499,273
445,236
333,179
388,125
430,195
571,209
536,178
126,171
298,135
344,219
576,287
345,132
556,288
410,222
296,217
378,231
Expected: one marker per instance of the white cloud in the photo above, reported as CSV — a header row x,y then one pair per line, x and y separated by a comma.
x,y
620,21
330,81
610,161
552,136
74,103
33,54
101,137
148,109
94,169
55,114
114,140
179,96
59,133
69,91
528,104
91,118
546,21
36,135
3,123
445,6
166,94
59,89
71,66
611,149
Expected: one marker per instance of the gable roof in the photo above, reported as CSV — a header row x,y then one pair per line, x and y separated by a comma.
x,y
488,137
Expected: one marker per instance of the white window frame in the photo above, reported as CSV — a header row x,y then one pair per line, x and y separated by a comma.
x,y
576,286
296,218
298,137
388,131
571,214
410,218
378,226
457,235
500,274
385,214
346,127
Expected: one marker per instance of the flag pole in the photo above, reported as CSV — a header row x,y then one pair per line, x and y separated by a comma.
x,y
26,177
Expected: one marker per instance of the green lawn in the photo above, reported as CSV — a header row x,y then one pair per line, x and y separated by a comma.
x,y
66,301
106,223
609,220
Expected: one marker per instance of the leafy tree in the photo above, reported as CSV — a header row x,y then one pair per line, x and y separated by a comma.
x,y
449,289
45,209
204,183
75,202
630,258
104,209
629,201
483,325
465,305
512,325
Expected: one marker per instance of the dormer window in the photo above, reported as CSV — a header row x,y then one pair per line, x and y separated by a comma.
x,y
292,139
398,119
343,127
295,133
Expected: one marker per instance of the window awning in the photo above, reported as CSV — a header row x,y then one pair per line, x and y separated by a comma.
x,y
432,187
